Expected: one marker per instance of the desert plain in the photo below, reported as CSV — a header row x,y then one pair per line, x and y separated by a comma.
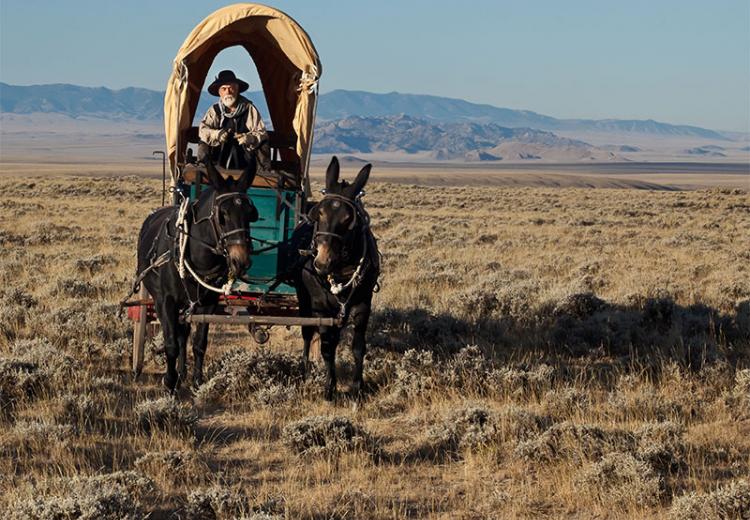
x,y
552,341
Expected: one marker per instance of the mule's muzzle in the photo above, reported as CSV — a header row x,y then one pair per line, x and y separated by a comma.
x,y
322,270
324,260
238,258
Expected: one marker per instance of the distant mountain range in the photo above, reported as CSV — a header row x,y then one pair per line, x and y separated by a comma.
x,y
448,140
344,103
74,101
144,104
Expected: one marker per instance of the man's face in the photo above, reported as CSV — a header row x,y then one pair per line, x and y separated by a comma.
x,y
228,94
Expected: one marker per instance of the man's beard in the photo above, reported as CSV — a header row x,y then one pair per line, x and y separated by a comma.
x,y
229,100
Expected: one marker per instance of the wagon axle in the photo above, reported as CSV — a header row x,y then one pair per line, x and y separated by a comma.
x,y
261,334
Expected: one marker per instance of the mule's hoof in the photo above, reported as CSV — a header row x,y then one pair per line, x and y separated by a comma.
x,y
171,383
357,390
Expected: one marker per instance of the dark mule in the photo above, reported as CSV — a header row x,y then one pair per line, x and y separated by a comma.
x,y
218,248
340,277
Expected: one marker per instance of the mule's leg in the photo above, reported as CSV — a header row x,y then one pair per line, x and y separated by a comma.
x,y
183,333
168,317
307,335
329,339
305,311
200,342
360,315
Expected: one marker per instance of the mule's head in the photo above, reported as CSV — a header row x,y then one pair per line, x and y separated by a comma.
x,y
336,217
231,215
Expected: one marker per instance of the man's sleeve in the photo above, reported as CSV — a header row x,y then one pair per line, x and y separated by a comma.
x,y
255,126
257,129
208,130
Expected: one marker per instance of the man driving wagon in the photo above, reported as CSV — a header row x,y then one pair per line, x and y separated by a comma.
x,y
232,129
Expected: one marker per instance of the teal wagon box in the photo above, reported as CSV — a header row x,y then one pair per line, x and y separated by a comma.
x,y
277,217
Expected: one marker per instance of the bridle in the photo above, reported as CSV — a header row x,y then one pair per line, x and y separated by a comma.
x,y
357,214
224,239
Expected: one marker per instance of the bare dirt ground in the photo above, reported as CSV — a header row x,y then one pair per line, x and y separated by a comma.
x,y
534,352
638,175
649,176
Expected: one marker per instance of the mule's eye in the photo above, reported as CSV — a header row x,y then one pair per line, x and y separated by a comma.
x,y
237,201
335,204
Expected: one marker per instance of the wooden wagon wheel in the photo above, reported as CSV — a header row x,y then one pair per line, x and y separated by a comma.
x,y
140,326
314,356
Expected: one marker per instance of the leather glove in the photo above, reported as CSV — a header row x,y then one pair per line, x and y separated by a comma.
x,y
241,139
223,136
248,140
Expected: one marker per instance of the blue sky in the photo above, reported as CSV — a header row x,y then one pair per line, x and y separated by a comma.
x,y
676,61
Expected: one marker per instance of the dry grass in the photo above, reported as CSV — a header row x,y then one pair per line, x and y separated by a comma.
x,y
534,353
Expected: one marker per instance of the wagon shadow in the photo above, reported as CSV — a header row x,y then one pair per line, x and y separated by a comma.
x,y
583,326
225,435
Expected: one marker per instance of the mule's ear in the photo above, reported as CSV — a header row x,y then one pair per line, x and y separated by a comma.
x,y
360,181
214,177
246,179
332,176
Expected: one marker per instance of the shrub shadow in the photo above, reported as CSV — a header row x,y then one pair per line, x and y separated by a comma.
x,y
581,325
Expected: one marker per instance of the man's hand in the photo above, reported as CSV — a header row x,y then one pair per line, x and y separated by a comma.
x,y
223,135
247,140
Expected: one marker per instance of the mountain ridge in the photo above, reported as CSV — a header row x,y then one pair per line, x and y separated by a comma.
x,y
135,103
469,141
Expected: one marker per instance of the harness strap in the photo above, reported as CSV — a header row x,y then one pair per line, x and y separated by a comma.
x,y
338,288
202,242
182,236
352,284
157,263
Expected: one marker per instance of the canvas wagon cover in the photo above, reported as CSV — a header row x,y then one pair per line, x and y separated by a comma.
x,y
287,64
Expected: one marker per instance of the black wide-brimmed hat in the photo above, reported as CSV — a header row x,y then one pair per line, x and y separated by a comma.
x,y
225,77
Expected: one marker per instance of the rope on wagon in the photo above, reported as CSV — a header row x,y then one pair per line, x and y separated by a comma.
x,y
182,263
308,80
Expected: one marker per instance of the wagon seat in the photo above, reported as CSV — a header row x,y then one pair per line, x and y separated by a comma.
x,y
283,174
